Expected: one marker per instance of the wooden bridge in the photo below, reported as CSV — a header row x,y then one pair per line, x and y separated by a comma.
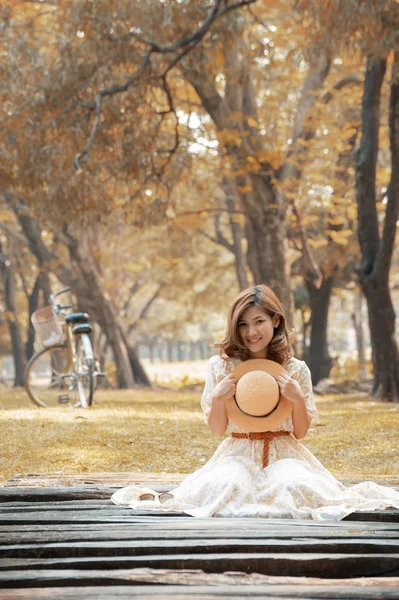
x,y
62,537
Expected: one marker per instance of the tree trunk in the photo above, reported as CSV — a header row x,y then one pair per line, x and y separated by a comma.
x,y
305,327
106,315
377,252
33,303
236,230
258,194
319,361
383,343
139,372
358,325
8,276
169,346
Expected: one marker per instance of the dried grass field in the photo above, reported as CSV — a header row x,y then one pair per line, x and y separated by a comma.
x,y
163,431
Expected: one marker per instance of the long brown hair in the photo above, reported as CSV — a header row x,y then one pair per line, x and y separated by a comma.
x,y
280,347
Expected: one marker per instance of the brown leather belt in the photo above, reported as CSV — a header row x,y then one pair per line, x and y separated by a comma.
x,y
266,436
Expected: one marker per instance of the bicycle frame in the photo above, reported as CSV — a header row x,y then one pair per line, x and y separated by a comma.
x,y
71,338
71,341
71,362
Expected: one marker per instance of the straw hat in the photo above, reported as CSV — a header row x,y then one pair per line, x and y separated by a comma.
x,y
258,404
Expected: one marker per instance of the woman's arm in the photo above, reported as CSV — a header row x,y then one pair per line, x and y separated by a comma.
x,y
217,419
300,418
291,390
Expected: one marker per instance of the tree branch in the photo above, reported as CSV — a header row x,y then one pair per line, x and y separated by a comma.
x,y
209,210
188,42
97,101
144,311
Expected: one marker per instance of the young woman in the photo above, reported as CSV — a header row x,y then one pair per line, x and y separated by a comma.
x,y
238,481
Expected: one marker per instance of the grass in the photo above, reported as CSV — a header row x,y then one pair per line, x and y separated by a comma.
x,y
163,431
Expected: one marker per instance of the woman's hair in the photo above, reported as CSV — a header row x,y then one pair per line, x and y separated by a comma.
x,y
280,347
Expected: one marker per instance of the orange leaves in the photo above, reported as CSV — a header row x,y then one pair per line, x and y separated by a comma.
x,y
339,237
337,220
252,123
231,137
273,157
348,133
244,189
318,243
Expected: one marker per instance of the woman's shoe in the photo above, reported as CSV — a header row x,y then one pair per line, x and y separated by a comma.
x,y
164,497
146,496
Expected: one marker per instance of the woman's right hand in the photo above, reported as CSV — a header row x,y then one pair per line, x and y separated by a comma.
x,y
226,388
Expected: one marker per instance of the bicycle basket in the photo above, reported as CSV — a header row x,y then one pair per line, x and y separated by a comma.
x,y
48,326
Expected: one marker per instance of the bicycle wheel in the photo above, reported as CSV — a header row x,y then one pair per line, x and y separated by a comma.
x,y
47,383
84,370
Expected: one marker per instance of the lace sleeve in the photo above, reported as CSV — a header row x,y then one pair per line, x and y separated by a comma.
x,y
304,379
210,384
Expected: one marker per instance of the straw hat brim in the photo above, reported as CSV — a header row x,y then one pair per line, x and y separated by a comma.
x,y
257,424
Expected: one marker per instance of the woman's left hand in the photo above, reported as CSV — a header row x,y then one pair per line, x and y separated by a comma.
x,y
290,389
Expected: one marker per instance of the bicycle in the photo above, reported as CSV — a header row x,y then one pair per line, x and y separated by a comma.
x,y
63,372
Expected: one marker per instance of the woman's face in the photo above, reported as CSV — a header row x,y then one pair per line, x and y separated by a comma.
x,y
256,329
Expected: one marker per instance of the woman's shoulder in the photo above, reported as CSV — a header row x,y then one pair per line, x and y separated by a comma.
x,y
293,365
220,363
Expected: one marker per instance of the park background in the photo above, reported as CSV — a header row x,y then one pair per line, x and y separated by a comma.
x,y
160,156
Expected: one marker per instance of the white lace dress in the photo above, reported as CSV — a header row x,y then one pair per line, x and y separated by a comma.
x,y
294,484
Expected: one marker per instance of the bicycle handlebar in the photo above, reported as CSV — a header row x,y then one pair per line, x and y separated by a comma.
x,y
65,289
52,296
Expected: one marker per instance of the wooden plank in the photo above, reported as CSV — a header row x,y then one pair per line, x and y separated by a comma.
x,y
82,534
195,583
121,479
71,490
177,546
188,527
211,526
40,494
195,577
388,515
84,493
60,507
47,517
161,536
127,516
97,479
62,504
192,524
99,504
160,592
284,564
170,592
96,503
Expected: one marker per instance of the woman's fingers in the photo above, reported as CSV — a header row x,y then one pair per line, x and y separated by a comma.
x,y
283,378
229,377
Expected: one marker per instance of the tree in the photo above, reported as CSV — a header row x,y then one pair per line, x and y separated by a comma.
x,y
8,276
372,29
376,248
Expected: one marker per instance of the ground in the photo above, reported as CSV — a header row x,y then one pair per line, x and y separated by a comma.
x,y
164,431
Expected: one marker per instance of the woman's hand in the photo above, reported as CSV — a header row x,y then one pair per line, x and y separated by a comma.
x,y
226,388
290,389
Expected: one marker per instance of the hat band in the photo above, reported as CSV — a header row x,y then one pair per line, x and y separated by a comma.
x,y
259,416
